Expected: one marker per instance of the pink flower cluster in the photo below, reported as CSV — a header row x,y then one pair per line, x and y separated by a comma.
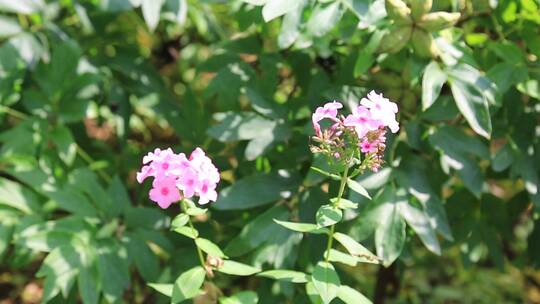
x,y
177,177
368,123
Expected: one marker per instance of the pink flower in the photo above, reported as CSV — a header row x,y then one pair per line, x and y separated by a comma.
x,y
329,110
196,176
207,192
188,182
382,110
362,121
368,147
164,191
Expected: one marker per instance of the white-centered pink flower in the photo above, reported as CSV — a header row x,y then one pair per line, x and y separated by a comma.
x,y
382,110
329,110
176,176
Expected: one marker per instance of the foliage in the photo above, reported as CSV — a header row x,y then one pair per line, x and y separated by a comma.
x,y
88,87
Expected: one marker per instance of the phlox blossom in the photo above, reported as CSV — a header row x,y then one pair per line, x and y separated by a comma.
x,y
329,110
362,121
382,110
176,176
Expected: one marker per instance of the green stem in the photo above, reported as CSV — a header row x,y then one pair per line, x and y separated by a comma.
x,y
342,184
199,252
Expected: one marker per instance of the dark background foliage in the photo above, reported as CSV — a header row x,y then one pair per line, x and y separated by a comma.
x,y
88,87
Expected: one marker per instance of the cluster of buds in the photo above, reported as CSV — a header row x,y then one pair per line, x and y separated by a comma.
x,y
361,132
177,176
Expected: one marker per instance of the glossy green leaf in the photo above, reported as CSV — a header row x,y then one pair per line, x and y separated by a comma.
x,y
351,296
276,8
432,82
209,247
285,275
236,268
328,215
390,234
326,281
188,284
151,10
356,249
358,188
164,289
302,227
243,297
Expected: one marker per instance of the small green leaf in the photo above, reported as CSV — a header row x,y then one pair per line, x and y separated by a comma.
x,y
432,83
351,296
236,268
285,275
302,227
188,284
164,289
340,257
328,215
179,221
275,8
390,233
65,144
187,231
356,249
356,187
343,203
326,281
243,297
209,247
151,10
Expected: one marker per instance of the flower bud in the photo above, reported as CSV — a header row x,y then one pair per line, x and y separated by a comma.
x,y
398,11
424,44
395,40
419,8
435,22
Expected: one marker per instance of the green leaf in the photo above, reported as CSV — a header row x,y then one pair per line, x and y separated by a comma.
x,y
113,271
9,27
65,144
256,232
285,275
326,281
471,102
22,6
60,269
187,231
356,249
356,187
313,294
328,215
290,27
323,18
503,158
343,203
146,261
420,224
164,289
89,288
413,176
236,268
390,234
302,227
188,284
275,8
256,190
179,221
16,196
209,247
340,257
432,82
151,10
243,297
351,296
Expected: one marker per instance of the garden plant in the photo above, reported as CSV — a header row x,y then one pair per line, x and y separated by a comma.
x,y
269,151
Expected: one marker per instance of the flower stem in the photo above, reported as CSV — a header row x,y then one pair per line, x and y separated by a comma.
x,y
199,252
333,227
